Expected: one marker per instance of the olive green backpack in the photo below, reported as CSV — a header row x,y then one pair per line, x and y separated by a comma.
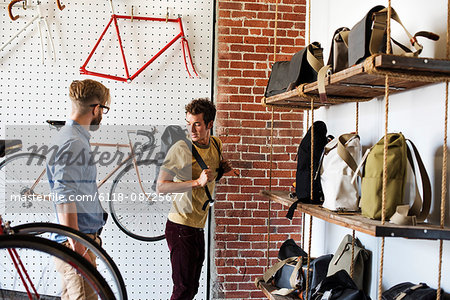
x,y
398,156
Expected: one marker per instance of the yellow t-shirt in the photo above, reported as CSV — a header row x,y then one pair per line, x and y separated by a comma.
x,y
187,207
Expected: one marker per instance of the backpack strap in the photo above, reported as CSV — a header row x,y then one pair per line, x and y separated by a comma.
x,y
220,171
418,212
202,165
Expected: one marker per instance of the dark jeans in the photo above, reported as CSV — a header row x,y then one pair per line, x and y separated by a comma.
x,y
187,253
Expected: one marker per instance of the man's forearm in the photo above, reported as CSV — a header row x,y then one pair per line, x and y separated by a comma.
x,y
166,186
67,216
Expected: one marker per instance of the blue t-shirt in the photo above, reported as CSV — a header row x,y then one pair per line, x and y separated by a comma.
x,y
72,175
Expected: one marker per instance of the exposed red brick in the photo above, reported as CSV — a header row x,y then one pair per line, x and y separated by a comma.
x,y
245,55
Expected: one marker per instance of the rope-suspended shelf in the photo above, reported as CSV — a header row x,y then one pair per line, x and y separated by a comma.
x,y
367,78
378,75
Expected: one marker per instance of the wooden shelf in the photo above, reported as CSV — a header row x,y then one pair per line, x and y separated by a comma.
x,y
366,81
359,223
267,289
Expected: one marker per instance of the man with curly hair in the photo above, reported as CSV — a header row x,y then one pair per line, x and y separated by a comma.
x,y
182,174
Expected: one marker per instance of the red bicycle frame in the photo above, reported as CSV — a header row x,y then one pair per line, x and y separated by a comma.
x,y
23,274
128,78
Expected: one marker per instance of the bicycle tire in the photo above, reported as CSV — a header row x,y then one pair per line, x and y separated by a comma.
x,y
18,173
141,219
85,268
112,272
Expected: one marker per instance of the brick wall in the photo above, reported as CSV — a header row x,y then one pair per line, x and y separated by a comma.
x,y
245,53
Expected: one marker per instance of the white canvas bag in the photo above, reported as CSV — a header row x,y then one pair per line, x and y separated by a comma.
x,y
339,163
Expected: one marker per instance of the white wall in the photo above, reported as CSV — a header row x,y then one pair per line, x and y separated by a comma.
x,y
418,114
32,91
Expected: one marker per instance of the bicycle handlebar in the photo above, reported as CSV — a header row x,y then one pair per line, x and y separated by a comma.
x,y
10,5
61,7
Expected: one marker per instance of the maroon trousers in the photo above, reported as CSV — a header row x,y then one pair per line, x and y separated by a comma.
x,y
187,253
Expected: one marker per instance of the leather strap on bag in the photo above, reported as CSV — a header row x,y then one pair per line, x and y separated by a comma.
x,y
202,165
343,140
379,29
268,275
343,153
418,212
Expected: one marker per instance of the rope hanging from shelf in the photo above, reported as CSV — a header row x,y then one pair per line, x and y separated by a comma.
x,y
353,231
308,263
444,159
271,140
385,149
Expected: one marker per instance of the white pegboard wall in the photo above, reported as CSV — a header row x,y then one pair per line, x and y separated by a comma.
x,y
32,92
154,96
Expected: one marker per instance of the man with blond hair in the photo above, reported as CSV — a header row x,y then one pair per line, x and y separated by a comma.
x,y
72,175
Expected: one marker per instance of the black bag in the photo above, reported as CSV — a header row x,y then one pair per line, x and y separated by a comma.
x,y
411,291
289,249
303,175
369,36
302,68
319,269
338,286
338,59
171,135
9,146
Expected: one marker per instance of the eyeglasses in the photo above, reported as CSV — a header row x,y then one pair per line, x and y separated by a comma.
x,y
104,107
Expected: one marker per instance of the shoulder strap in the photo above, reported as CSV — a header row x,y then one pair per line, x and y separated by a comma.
x,y
344,154
220,170
217,146
379,28
418,212
292,279
202,165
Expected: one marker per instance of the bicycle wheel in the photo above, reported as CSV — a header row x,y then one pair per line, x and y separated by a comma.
x,y
141,216
37,255
105,264
25,196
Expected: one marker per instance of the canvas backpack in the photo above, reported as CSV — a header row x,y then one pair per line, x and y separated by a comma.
x,y
339,163
398,157
303,175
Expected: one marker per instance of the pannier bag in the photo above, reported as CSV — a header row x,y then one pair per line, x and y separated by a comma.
x,y
342,260
411,291
339,164
368,36
302,68
398,157
287,274
338,59
289,248
338,286
319,270
303,175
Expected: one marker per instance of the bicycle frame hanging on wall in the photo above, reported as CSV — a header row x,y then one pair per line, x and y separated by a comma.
x,y
129,78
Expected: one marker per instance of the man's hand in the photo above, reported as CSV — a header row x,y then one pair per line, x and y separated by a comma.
x,y
83,251
205,177
226,165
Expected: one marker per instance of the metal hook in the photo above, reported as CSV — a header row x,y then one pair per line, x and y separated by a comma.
x,y
24,4
167,15
132,12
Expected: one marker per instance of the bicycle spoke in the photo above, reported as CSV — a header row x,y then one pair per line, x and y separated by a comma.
x,y
20,191
141,216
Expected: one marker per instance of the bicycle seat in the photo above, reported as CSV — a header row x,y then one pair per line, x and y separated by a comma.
x,y
55,123
9,146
